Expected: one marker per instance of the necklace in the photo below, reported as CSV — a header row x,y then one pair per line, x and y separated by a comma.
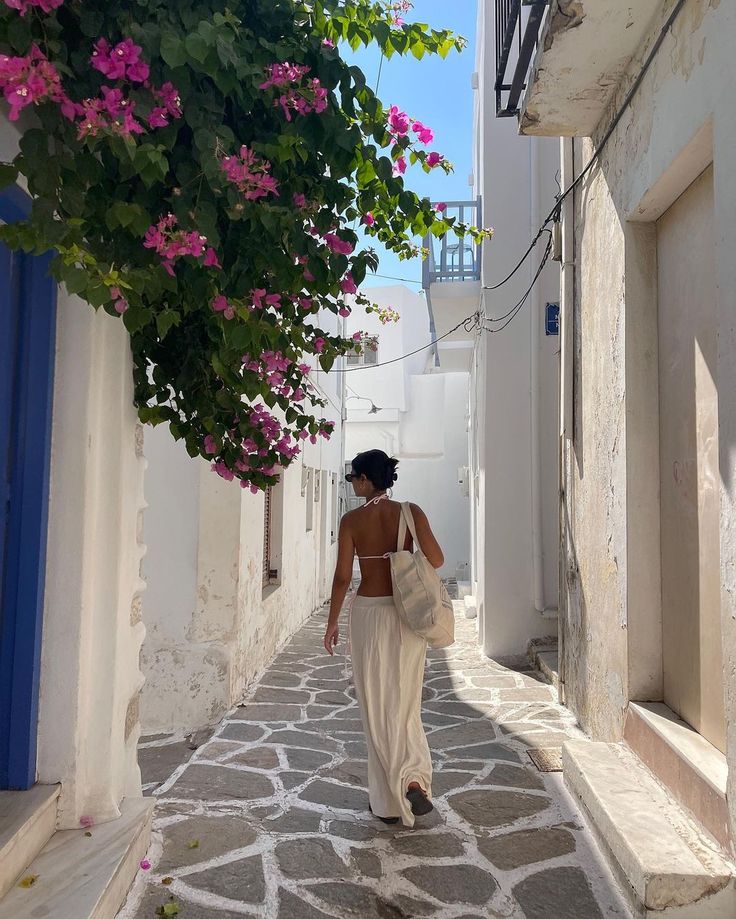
x,y
376,499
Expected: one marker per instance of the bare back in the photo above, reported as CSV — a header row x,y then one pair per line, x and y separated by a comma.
x,y
374,530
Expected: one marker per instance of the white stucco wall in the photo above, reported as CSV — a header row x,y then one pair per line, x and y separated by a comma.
x,y
516,178
90,678
422,420
682,119
212,627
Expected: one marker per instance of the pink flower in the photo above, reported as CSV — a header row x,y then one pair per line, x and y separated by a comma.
x,y
319,344
145,865
326,42
23,6
368,219
29,80
357,336
348,285
210,259
344,311
250,174
120,303
400,166
158,117
434,159
210,445
121,62
441,207
86,821
425,134
398,121
220,304
299,200
336,244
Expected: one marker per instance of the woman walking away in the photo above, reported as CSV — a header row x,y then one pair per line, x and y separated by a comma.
x,y
388,657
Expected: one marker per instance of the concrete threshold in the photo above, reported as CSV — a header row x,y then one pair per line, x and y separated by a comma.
x,y
84,874
27,822
671,869
692,769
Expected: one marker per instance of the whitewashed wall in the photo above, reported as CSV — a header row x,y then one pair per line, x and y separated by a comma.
x,y
422,420
212,627
516,178
90,677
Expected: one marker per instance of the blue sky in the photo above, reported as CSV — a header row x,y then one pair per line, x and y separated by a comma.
x,y
439,94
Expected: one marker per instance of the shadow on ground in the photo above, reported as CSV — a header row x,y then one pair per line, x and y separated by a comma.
x,y
269,817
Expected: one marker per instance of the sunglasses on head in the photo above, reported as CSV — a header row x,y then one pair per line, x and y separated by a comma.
x,y
350,476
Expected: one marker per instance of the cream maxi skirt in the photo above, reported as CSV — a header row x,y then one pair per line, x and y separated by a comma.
x,y
388,669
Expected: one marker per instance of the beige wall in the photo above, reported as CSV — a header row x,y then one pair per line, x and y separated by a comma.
x,y
212,627
88,715
682,118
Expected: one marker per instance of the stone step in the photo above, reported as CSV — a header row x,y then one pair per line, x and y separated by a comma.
x,y
27,822
694,772
544,656
84,877
671,868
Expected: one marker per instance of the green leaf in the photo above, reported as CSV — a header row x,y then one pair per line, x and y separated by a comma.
x,y
196,47
172,50
165,321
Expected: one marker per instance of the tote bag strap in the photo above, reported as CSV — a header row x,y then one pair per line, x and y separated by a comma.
x,y
402,531
406,515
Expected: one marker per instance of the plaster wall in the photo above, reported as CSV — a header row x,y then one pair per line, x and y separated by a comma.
x,y
90,677
213,627
516,178
681,119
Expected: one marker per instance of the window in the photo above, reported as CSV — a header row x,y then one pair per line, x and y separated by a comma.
x,y
273,512
267,513
336,508
364,353
309,494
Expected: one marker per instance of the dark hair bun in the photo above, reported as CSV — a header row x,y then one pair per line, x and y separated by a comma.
x,y
376,466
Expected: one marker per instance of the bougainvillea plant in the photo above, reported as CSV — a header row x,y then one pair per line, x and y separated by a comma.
x,y
200,167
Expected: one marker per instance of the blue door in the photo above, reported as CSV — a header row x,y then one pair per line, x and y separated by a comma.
x,y
27,340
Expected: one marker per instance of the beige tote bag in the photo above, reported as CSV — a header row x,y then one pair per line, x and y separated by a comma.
x,y
420,596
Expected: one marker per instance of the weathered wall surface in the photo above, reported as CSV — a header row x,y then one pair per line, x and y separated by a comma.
x,y
516,178
682,118
90,678
212,626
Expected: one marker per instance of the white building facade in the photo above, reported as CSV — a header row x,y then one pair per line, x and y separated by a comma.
x,y
231,575
643,97
414,410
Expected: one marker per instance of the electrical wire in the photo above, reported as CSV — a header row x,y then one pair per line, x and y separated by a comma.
x,y
474,318
477,321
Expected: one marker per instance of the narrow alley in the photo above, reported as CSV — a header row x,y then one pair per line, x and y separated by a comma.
x,y
269,817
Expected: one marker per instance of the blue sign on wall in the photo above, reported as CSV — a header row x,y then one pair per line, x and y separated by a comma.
x,y
552,319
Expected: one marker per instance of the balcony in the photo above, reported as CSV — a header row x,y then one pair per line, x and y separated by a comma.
x,y
517,32
450,258
558,62
451,282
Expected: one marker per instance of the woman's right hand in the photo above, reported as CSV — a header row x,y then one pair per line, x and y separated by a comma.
x,y
332,636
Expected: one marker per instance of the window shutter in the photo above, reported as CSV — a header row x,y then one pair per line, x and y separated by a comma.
x,y
267,537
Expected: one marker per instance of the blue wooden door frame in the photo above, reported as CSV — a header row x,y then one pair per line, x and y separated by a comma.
x,y
27,347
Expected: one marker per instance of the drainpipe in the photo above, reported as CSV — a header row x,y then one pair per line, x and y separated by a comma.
x,y
534,374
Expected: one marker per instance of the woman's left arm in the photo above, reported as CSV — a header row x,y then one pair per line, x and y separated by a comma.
x,y
340,582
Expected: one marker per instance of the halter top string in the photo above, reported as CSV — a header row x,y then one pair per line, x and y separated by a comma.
x,y
376,500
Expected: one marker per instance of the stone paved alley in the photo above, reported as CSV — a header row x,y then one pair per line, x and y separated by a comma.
x,y
269,816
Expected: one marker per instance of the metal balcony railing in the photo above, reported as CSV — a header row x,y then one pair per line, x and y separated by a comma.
x,y
451,258
517,30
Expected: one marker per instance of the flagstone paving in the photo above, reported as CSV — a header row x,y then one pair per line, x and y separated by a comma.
x,y
269,817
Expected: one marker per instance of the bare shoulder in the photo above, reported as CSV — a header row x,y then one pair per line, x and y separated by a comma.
x,y
348,518
417,512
